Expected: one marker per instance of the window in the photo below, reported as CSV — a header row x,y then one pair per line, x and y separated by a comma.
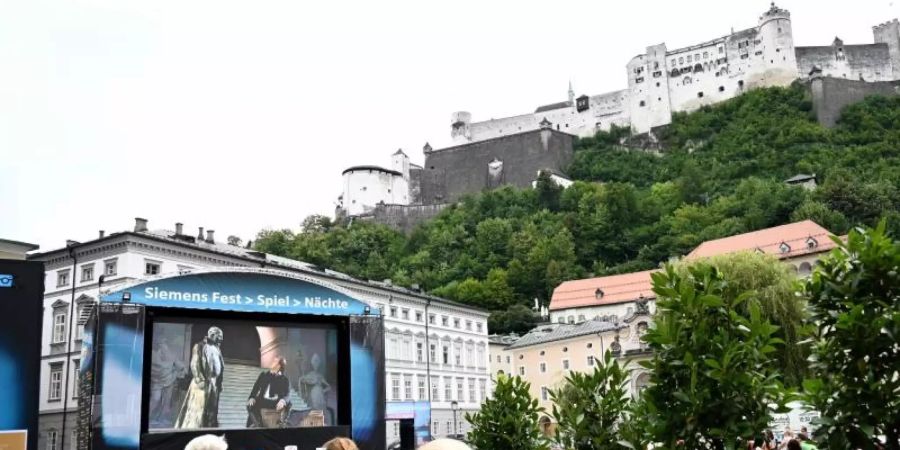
x,y
393,311
62,278
721,88
76,364
721,49
571,319
482,389
55,388
689,58
643,103
705,55
457,354
471,390
395,387
87,273
805,269
52,440
110,267
446,354
565,364
421,389
479,356
434,427
741,83
590,361
590,345
407,388
498,359
581,318
543,367
700,94
459,389
544,393
449,427
59,327
435,389
468,325
681,60
151,268
521,371
444,320
565,349
432,352
404,314
455,323
431,319
418,316
508,359
448,389
811,243
478,327
784,248
420,352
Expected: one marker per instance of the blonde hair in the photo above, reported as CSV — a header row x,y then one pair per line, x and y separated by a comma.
x,y
207,442
340,443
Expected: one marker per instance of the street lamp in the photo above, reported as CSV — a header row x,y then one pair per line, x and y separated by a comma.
x,y
454,405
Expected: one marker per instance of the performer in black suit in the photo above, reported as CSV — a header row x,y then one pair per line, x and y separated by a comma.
x,y
270,391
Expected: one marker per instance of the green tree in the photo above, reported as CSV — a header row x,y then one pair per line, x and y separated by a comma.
x,y
518,318
508,420
713,373
590,407
774,287
855,299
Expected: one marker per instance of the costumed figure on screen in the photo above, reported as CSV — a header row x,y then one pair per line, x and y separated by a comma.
x,y
200,408
164,372
269,395
315,386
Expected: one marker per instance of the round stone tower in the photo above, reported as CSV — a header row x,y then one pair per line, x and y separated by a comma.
x,y
777,45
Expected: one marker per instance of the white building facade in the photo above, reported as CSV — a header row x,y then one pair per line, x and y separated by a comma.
x,y
367,186
73,283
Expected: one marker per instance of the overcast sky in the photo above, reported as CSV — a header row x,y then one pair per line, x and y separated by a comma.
x,y
240,116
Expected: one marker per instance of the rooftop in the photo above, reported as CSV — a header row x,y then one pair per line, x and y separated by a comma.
x,y
784,242
375,168
503,339
559,331
602,290
552,106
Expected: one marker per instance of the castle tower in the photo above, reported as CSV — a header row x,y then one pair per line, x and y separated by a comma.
x,y
400,163
460,122
889,33
777,45
648,86
571,93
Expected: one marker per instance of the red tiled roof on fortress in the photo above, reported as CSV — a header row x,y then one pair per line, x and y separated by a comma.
x,y
784,242
602,291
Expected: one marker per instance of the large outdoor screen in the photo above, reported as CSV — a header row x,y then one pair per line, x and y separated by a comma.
x,y
229,374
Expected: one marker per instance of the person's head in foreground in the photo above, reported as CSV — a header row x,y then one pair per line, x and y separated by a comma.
x,y
207,442
445,444
340,443
793,444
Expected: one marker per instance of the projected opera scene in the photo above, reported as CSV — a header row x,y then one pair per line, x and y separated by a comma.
x,y
229,374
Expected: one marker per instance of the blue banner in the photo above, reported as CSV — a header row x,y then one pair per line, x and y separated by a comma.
x,y
241,291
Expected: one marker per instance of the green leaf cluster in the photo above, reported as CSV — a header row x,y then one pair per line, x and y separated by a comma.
x,y
714,379
508,420
854,295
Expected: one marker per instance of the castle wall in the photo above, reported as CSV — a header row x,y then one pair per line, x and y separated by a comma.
x,y
831,95
889,33
450,173
612,108
870,62
404,218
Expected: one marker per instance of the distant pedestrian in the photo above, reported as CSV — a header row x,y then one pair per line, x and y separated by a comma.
x,y
445,444
340,443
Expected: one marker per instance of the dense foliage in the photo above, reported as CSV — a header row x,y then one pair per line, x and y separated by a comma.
x,y
776,287
508,420
721,174
855,299
713,372
590,407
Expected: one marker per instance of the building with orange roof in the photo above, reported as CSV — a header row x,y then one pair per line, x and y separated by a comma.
x,y
612,297
800,244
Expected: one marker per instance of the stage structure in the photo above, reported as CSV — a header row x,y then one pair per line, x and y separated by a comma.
x,y
21,305
265,358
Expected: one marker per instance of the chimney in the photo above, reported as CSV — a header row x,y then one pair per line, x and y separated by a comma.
x,y
210,238
140,224
179,229
102,234
200,235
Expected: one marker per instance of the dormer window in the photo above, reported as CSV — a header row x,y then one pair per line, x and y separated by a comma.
x,y
598,294
811,243
784,247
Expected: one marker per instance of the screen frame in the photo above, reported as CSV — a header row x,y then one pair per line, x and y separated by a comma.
x,y
341,325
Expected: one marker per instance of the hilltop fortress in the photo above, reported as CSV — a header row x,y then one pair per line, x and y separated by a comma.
x,y
513,150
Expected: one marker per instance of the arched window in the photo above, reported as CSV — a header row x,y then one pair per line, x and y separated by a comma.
x,y
811,243
805,269
686,81
641,382
571,319
784,248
